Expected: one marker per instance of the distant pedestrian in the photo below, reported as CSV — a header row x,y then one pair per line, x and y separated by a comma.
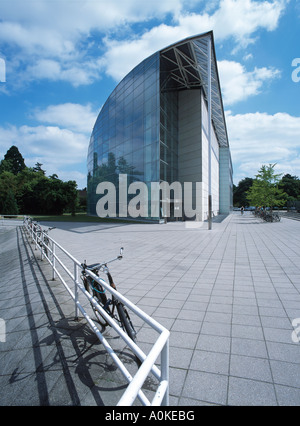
x,y
242,210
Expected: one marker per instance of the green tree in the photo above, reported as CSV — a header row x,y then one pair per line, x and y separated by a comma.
x,y
39,194
30,187
57,196
290,185
71,196
5,166
15,160
38,168
30,191
7,184
10,206
240,192
265,191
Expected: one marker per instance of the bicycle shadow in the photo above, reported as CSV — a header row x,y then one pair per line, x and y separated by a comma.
x,y
70,366
66,348
88,358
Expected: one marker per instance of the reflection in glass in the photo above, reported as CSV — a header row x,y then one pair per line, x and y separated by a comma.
x,y
126,134
156,112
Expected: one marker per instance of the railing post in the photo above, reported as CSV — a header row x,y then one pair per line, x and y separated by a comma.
x,y
161,346
42,245
53,261
32,233
165,371
76,290
35,237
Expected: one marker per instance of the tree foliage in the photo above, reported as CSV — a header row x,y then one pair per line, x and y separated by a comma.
x,y
239,192
291,186
265,191
14,160
29,191
10,206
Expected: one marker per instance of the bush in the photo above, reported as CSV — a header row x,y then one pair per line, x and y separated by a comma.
x,y
10,206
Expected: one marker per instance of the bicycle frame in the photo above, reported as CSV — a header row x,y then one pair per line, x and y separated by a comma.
x,y
95,268
60,260
99,289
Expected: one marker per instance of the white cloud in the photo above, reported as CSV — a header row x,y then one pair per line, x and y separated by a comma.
x,y
45,68
238,84
61,39
122,56
61,151
261,138
60,143
242,18
54,27
75,117
237,19
75,72
87,14
51,142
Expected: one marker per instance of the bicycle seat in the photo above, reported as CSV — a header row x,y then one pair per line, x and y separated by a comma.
x,y
92,266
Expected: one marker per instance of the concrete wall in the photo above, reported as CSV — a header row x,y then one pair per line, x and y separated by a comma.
x,y
190,153
214,165
193,152
225,181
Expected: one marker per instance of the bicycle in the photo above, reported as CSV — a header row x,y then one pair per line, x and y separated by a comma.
x,y
42,237
112,306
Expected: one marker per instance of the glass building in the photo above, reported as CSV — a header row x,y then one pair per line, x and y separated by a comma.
x,y
154,127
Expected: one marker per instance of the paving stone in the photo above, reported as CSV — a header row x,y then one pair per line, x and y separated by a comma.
x,y
207,387
245,392
228,296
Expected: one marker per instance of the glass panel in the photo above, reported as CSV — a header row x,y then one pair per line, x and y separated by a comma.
x,y
125,137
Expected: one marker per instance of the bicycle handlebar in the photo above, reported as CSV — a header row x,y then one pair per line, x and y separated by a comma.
x,y
98,266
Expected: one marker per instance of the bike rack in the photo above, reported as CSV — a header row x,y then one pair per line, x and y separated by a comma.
x,y
160,347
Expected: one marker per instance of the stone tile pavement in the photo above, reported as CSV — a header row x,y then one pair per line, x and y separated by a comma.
x,y
230,298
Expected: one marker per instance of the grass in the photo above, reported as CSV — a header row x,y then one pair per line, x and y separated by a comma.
x,y
68,217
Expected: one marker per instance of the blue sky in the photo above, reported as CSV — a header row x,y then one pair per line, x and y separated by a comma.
x,y
61,59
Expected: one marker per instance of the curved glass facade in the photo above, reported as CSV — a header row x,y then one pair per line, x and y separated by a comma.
x,y
125,138
153,128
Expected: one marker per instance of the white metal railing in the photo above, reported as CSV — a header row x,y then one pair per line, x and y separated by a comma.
x,y
43,241
11,220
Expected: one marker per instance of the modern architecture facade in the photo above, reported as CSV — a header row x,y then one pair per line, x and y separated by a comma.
x,y
164,122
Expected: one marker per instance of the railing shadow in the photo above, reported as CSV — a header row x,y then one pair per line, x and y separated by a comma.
x,y
75,351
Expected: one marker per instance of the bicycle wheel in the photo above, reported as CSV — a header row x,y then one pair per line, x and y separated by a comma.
x,y
128,327
45,246
126,322
100,298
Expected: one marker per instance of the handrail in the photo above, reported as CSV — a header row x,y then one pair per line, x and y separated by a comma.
x,y
160,347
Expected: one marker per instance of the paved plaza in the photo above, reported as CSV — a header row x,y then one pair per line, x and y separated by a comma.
x,y
230,297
